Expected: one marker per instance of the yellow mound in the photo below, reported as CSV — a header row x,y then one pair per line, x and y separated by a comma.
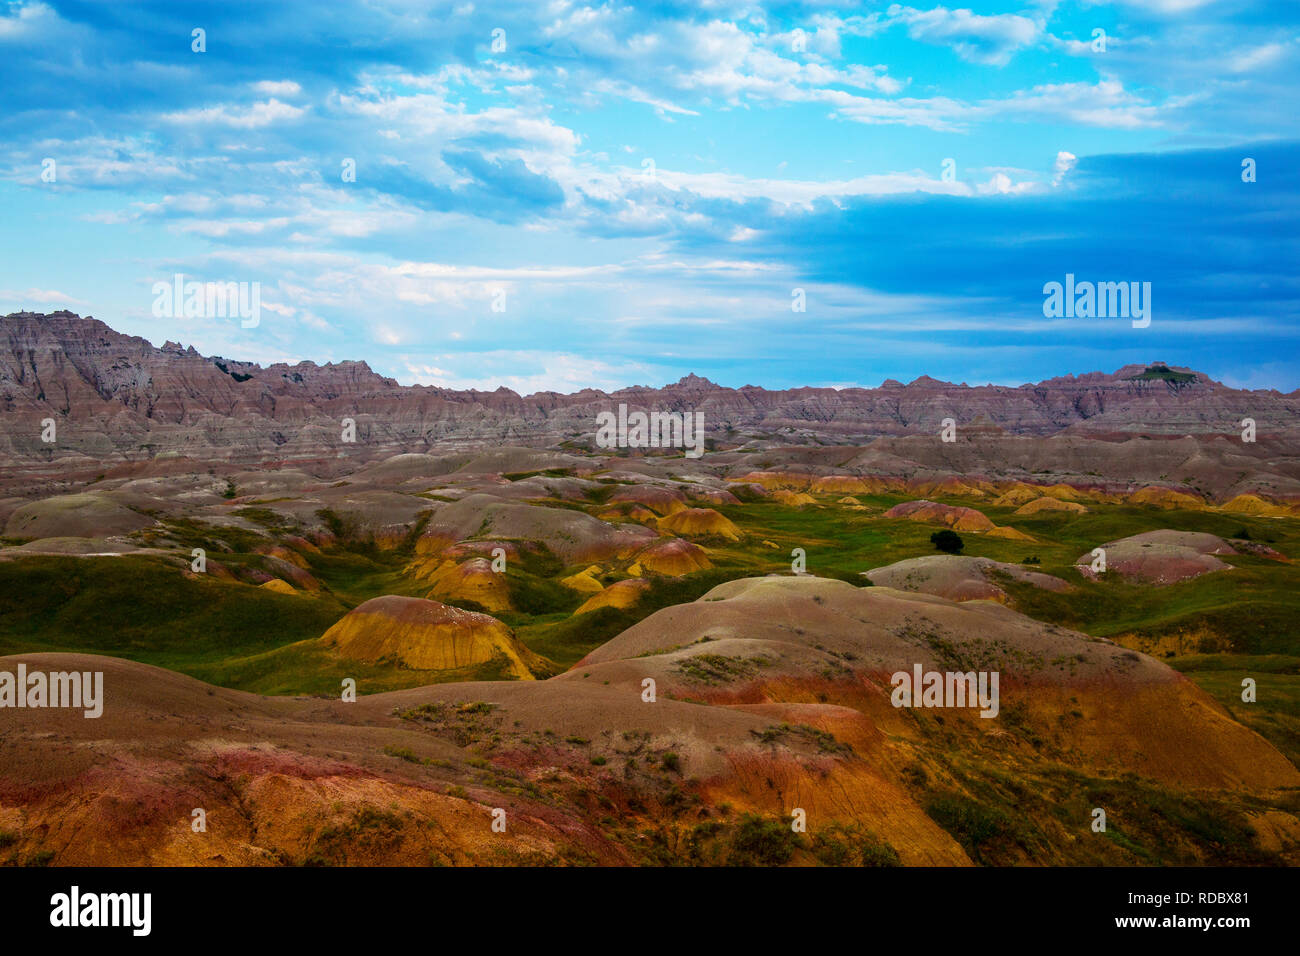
x,y
851,483
972,522
426,635
1011,533
952,487
700,522
1254,505
620,594
1063,491
1017,495
1165,498
773,480
673,557
796,499
278,586
637,513
473,580
585,582
1050,504
284,554
662,501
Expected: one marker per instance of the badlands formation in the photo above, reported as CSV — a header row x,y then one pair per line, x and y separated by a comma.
x,y
357,653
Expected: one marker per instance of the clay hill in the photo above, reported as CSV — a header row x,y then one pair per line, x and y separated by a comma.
x,y
426,635
117,398
772,694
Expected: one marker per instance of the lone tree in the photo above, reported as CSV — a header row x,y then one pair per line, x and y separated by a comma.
x,y
947,541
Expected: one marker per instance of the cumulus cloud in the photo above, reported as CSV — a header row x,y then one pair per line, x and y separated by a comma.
x,y
1064,163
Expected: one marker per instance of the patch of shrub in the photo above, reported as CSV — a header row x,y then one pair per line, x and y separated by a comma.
x,y
948,541
852,845
757,841
971,824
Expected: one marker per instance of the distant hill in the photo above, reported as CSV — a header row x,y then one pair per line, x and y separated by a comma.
x,y
117,398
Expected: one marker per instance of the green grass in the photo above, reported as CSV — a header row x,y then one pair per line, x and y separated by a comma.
x,y
1010,815
147,610
354,578
1162,373
566,639
1275,714
1252,609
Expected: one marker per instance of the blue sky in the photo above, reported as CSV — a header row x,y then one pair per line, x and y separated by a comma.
x,y
644,185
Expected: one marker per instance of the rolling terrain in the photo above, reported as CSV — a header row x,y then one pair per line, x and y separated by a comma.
x,y
499,590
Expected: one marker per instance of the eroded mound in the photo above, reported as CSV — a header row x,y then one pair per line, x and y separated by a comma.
x,y
397,778
1048,503
1159,497
620,594
702,523
573,535
1255,505
884,628
586,581
795,499
660,500
100,547
472,580
1160,557
959,578
74,516
673,557
1017,495
760,639
426,635
951,516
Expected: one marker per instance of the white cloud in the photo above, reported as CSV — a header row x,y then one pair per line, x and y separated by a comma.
x,y
27,20
525,372
1061,168
1105,103
990,40
277,88
40,297
1166,7
241,117
1243,61
1002,185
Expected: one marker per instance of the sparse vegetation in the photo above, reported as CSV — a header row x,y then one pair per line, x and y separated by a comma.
x,y
852,845
1163,373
